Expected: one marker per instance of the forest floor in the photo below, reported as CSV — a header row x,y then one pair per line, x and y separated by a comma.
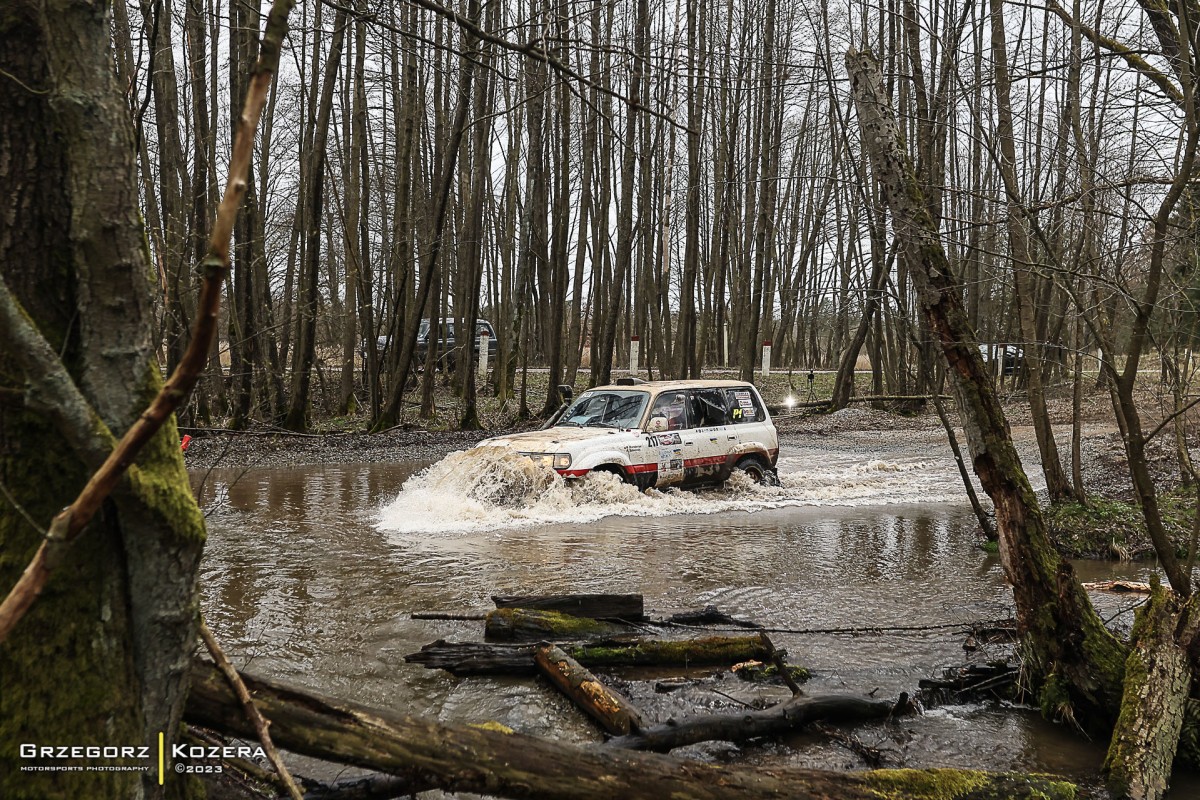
x,y
1109,526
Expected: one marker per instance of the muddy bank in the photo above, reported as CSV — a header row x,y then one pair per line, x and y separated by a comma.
x,y
274,449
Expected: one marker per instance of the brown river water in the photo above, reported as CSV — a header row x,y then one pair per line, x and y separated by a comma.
x,y
311,575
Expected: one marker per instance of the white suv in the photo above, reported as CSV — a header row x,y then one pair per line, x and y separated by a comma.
x,y
660,433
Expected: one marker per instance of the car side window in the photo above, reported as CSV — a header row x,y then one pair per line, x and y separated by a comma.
x,y
709,408
674,407
744,406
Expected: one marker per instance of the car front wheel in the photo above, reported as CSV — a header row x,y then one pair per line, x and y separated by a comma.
x,y
613,469
757,471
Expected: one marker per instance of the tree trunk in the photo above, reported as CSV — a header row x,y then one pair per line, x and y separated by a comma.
x,y
602,365
1057,484
1073,660
597,606
406,348
299,400
102,657
1158,679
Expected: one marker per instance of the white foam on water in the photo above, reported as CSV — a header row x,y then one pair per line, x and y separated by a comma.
x,y
492,488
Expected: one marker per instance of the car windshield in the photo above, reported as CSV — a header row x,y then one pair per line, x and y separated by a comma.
x,y
606,409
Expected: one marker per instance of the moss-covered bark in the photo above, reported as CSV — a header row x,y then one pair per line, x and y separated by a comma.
x,y
526,624
957,784
1158,678
706,650
101,657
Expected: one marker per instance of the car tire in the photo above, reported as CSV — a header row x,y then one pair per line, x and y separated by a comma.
x,y
614,469
757,471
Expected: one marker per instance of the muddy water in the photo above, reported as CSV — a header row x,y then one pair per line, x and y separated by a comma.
x,y
311,575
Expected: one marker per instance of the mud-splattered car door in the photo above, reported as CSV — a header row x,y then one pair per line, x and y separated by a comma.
x,y
715,439
669,426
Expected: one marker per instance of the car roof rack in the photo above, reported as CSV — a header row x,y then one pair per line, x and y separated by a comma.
x,y
630,381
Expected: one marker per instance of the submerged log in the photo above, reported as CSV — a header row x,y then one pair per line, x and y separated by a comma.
x,y
375,786
795,713
471,658
615,714
709,615
972,683
1118,587
464,759
525,624
597,606
1158,679
706,651
468,658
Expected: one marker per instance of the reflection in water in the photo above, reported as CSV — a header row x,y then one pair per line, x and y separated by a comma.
x,y
300,582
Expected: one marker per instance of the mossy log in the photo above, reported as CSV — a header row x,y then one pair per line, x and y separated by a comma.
x,y
1158,679
531,624
461,758
596,606
469,658
795,713
614,713
705,651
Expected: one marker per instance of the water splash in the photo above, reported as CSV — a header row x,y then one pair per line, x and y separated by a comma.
x,y
492,488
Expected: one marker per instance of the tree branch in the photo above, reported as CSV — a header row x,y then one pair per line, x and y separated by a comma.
x,y
1131,57
261,725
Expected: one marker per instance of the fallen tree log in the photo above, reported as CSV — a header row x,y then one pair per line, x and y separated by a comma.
x,y
469,658
466,759
705,651
597,606
1118,587
531,624
709,615
472,658
615,714
795,713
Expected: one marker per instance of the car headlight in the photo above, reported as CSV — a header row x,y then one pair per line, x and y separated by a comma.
x,y
562,460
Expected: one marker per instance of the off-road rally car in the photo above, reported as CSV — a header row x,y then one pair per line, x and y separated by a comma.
x,y
656,434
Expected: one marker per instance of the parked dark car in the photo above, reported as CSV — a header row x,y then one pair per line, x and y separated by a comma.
x,y
449,350
1009,357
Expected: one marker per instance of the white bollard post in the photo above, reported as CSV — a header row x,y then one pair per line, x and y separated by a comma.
x,y
634,348
484,341
766,368
725,350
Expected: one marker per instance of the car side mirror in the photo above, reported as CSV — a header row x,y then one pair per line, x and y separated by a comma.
x,y
657,425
